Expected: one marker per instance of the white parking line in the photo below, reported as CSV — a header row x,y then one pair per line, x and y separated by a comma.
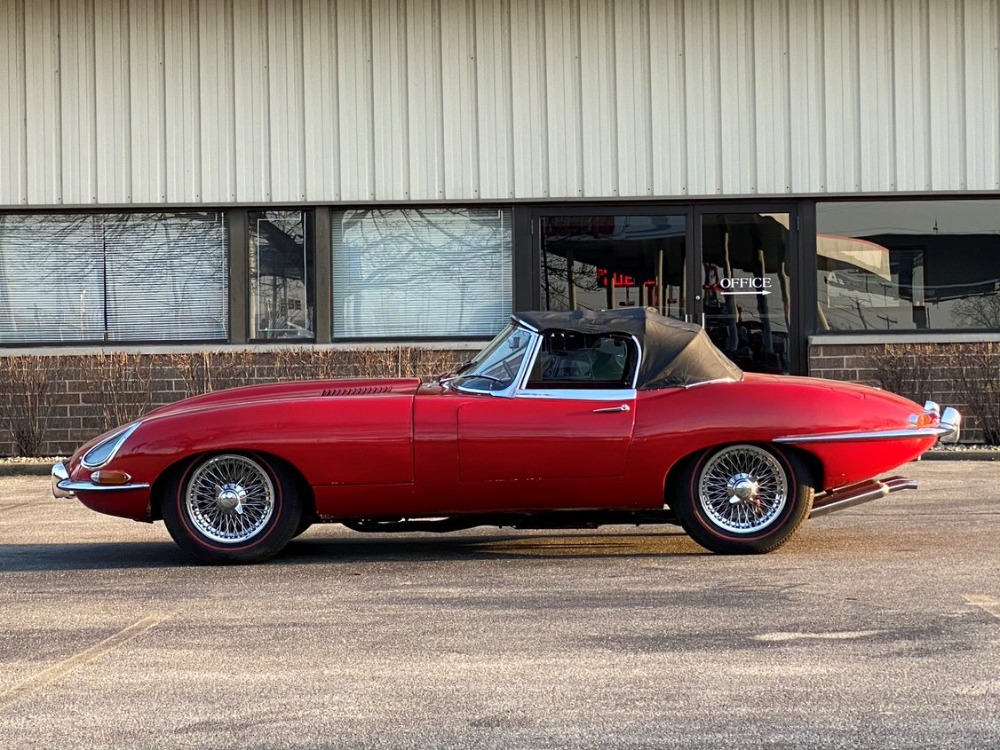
x,y
987,603
838,636
33,684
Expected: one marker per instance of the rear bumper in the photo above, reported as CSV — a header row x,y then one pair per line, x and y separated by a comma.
x,y
855,494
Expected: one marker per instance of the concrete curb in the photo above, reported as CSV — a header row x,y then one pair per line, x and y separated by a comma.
x,y
25,469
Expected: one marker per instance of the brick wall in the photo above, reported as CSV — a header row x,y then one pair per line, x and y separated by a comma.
x,y
56,402
965,375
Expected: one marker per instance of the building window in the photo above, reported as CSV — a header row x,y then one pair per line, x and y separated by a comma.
x,y
413,273
908,265
281,275
113,277
607,262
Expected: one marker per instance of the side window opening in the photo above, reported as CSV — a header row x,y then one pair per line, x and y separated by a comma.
x,y
569,359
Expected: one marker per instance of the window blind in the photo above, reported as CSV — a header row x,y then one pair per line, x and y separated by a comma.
x,y
115,277
421,272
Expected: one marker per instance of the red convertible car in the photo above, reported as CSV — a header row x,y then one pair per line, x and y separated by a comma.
x,y
564,420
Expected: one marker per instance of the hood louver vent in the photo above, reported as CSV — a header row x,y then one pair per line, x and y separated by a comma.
x,y
357,391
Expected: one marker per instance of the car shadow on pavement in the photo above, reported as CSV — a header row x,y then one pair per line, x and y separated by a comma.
x,y
340,550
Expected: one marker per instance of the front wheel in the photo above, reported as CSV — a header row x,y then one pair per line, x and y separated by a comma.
x,y
231,508
743,498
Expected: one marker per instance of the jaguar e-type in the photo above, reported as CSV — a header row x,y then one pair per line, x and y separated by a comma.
x,y
564,420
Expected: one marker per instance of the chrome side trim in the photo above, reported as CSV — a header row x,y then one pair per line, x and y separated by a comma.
x,y
948,430
833,437
710,382
580,394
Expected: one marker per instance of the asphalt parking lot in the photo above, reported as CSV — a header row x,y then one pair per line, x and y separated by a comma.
x,y
875,627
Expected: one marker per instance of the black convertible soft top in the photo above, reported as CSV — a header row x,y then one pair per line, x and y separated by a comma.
x,y
673,353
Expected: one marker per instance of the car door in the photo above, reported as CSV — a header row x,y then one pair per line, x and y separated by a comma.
x,y
563,436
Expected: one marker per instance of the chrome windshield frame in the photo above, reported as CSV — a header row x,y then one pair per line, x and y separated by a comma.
x,y
534,343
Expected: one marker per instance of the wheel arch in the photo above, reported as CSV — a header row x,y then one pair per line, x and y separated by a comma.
x,y
163,483
675,473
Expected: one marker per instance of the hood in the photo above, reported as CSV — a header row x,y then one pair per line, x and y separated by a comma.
x,y
297,390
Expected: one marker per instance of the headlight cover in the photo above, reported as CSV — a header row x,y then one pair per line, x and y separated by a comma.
x,y
102,453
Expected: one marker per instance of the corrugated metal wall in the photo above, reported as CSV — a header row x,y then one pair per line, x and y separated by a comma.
x,y
117,102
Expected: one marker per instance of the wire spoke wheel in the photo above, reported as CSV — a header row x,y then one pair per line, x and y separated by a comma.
x,y
742,489
230,499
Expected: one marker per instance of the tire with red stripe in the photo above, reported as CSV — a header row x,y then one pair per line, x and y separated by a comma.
x,y
232,508
743,498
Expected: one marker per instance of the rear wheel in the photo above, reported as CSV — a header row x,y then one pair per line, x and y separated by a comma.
x,y
232,508
743,498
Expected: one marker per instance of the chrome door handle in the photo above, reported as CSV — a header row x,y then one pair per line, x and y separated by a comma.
x,y
613,409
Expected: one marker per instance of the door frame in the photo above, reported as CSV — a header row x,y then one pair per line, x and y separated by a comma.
x,y
798,354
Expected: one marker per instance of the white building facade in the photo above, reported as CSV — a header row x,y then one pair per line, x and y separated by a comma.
x,y
793,174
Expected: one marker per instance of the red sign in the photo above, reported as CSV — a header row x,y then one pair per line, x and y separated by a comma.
x,y
619,280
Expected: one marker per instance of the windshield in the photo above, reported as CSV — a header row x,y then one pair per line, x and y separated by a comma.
x,y
497,365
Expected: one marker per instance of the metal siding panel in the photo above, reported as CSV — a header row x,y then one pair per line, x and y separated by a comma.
x,y
252,102
703,97
632,103
183,117
148,176
947,126
495,99
355,86
737,106
217,105
391,124
563,84
42,113
840,45
424,112
770,84
76,68
286,131
912,89
460,94
530,100
321,100
113,129
598,99
807,115
13,135
875,92
668,98
982,94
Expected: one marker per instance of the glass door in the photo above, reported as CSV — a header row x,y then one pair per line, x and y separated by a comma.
x,y
611,261
745,297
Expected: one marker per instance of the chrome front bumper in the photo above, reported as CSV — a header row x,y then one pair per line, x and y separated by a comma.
x,y
64,487
59,476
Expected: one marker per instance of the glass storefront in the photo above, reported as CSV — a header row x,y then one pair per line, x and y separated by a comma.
x,y
908,265
609,262
746,288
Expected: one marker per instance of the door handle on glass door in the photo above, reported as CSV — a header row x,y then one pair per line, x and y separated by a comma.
x,y
613,409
